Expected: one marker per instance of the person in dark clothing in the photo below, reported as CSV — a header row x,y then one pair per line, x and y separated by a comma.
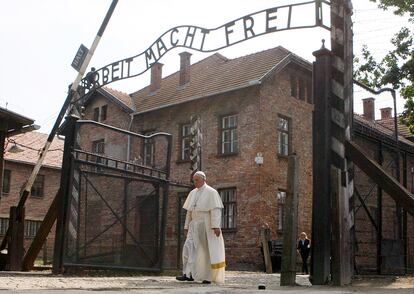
x,y
304,250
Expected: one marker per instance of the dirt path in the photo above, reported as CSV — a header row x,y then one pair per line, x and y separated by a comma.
x,y
236,282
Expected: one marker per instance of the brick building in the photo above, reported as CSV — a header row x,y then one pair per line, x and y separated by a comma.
x,y
21,154
259,105
377,138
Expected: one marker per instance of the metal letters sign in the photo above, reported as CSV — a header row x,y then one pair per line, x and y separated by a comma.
x,y
295,16
79,57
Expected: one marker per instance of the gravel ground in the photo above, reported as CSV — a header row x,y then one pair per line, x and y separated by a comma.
x,y
236,282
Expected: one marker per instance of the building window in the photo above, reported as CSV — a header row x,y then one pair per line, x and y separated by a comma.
x,y
229,140
301,89
98,146
6,181
185,132
149,150
31,227
309,94
96,114
281,198
4,225
38,186
293,86
228,218
103,112
100,113
283,130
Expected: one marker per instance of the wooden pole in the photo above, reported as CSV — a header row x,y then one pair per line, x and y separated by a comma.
x,y
16,238
264,239
63,201
290,231
341,255
321,201
41,234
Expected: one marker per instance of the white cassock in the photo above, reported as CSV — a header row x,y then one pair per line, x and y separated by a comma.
x,y
203,252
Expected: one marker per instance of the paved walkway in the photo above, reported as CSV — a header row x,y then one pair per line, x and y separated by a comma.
x,y
236,282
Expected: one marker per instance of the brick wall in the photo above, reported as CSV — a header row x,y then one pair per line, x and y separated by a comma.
x,y
258,108
36,207
366,239
256,186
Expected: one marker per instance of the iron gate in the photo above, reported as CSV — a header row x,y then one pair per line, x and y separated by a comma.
x,y
116,212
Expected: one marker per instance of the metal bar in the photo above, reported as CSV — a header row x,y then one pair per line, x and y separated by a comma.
x,y
386,182
105,158
365,197
179,221
404,221
117,169
125,212
165,189
86,243
78,230
366,209
379,215
85,122
289,16
119,219
137,179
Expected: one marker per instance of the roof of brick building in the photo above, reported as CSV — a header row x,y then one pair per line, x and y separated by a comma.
x,y
122,97
389,124
381,128
211,76
24,148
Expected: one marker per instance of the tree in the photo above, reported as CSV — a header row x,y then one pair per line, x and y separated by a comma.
x,y
397,67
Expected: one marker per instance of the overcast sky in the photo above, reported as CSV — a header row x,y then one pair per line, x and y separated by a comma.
x,y
39,39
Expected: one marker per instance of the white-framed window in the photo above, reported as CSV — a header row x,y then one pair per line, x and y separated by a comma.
x,y
185,137
6,182
38,186
281,199
4,225
98,146
229,137
148,149
100,113
31,227
228,217
283,130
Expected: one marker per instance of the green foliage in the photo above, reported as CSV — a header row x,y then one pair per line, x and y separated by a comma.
x,y
396,69
401,6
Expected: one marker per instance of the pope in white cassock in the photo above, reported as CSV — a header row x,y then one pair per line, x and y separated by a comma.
x,y
203,251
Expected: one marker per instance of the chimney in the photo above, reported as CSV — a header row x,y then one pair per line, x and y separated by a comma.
x,y
156,76
386,112
184,67
369,108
